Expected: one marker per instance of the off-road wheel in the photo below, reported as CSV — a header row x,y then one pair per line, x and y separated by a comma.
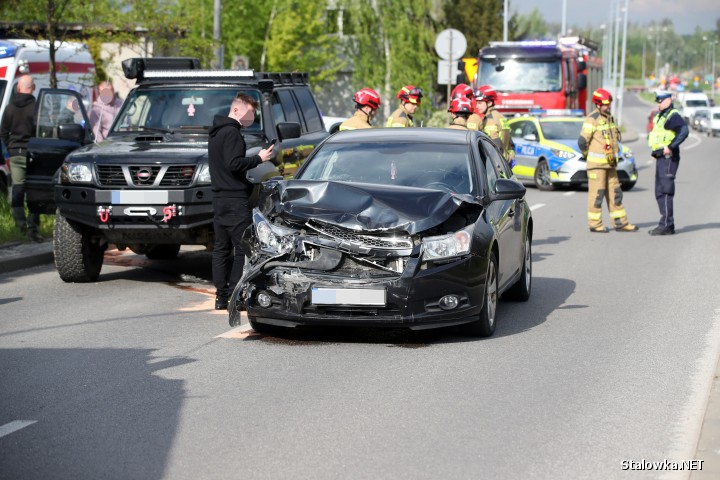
x,y
542,177
520,291
485,325
162,252
78,255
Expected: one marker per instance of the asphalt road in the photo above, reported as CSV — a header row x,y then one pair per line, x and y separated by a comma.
x,y
610,360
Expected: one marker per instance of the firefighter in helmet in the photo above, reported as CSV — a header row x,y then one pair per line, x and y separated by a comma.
x,y
367,101
494,123
598,142
465,91
461,109
410,98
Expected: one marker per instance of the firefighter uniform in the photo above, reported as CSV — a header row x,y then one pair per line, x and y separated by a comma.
x,y
598,142
459,123
400,118
357,121
496,126
474,122
669,130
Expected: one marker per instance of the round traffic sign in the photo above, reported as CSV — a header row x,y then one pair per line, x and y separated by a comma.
x,y
450,44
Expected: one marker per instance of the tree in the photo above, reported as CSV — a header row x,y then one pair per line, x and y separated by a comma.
x,y
481,21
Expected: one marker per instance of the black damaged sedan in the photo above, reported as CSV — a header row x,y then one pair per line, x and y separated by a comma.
x,y
406,227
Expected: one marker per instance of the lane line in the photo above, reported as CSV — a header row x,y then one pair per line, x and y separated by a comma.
x,y
11,427
243,331
536,206
567,194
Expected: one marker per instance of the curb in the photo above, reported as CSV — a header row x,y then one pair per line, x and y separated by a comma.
x,y
22,256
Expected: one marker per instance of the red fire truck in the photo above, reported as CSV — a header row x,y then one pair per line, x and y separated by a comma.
x,y
539,75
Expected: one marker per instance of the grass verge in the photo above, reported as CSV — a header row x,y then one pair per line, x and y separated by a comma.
x,y
8,232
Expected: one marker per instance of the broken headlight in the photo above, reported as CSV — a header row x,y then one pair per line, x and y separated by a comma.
x,y
273,237
446,246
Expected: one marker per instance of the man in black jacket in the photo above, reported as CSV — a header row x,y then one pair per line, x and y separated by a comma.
x,y
16,128
231,190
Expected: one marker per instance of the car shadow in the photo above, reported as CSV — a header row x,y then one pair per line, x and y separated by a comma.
x,y
97,413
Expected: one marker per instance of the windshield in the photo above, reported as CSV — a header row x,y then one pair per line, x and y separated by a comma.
x,y
518,77
569,130
697,103
436,166
178,109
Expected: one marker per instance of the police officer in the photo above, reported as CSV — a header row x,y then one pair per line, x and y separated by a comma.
x,y
461,109
462,90
669,131
367,102
494,123
410,98
598,142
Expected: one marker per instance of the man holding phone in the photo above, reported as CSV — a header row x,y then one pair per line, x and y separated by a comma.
x,y
231,191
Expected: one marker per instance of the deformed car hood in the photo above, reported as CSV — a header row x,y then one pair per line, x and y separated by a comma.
x,y
360,206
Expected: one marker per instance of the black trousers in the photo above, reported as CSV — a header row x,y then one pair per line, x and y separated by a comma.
x,y
232,217
665,171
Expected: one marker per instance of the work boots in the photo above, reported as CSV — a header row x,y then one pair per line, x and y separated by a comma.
x,y
627,228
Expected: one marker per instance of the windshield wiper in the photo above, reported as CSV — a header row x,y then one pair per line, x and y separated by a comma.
x,y
156,129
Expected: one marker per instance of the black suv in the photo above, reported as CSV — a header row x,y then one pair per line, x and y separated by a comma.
x,y
147,186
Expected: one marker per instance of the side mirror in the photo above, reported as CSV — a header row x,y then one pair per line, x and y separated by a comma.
x,y
71,132
530,137
288,130
581,81
506,189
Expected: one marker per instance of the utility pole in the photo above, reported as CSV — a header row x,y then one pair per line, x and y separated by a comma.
x,y
505,23
621,94
217,28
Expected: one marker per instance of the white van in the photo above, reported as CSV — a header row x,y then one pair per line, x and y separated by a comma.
x,y
73,63
689,102
713,122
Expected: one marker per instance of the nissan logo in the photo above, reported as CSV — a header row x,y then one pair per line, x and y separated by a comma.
x,y
143,175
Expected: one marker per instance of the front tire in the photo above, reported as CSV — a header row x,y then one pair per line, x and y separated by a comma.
x,y
485,325
542,177
520,291
78,256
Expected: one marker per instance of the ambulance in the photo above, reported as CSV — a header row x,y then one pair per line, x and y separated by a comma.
x,y
74,66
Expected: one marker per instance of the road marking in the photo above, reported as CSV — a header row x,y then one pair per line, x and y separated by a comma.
x,y
11,427
536,206
243,331
567,194
694,137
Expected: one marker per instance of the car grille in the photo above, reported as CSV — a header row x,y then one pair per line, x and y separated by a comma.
x,y
371,241
145,176
178,176
111,175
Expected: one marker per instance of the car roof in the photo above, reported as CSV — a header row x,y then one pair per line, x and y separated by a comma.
x,y
412,135
549,118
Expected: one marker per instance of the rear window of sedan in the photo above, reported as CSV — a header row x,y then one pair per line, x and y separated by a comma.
x,y
423,165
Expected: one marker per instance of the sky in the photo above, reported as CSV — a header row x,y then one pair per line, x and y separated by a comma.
x,y
685,14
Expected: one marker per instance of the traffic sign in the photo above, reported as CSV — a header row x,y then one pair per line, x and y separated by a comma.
x,y
450,44
447,72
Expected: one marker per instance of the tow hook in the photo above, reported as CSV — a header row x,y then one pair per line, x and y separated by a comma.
x,y
171,211
104,213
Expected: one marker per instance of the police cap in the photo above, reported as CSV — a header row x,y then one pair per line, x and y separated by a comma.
x,y
661,95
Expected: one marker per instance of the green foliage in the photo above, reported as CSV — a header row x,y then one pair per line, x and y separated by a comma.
x,y
481,21
8,232
298,41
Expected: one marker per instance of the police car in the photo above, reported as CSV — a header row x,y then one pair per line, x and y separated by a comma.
x,y
547,153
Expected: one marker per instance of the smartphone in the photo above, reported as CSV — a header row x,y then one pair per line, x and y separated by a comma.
x,y
272,142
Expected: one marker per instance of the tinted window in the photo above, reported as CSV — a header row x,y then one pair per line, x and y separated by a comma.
x,y
309,110
516,128
561,130
498,163
289,108
424,165
178,109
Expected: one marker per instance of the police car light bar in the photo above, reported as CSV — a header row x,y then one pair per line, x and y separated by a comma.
x,y
198,74
556,112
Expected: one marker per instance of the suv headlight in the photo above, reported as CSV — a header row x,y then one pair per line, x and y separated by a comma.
x,y
563,154
204,174
627,153
76,173
273,237
447,246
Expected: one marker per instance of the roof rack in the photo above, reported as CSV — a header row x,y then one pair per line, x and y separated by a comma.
x,y
135,68
284,78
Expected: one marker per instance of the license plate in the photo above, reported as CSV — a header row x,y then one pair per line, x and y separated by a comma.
x,y
134,197
348,296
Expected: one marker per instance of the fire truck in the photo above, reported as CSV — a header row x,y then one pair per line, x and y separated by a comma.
x,y
538,75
